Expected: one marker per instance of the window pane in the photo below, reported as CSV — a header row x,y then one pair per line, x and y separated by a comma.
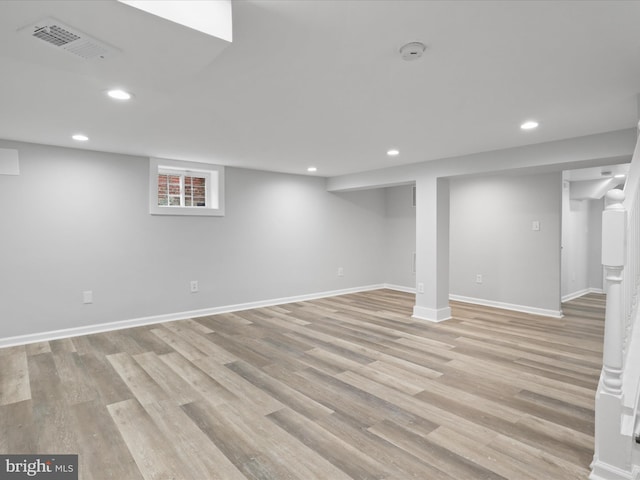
x,y
162,189
194,191
199,197
185,188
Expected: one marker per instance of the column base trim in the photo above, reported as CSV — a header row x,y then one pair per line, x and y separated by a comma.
x,y
604,471
431,314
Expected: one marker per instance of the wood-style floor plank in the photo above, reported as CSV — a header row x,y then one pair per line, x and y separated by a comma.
x,y
155,457
442,458
350,460
98,434
482,455
196,450
14,376
17,427
51,422
347,387
143,387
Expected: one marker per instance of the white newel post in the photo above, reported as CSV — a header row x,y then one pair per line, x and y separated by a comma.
x,y
612,448
614,223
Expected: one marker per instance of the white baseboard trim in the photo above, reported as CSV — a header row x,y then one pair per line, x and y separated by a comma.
x,y
508,306
137,322
574,295
431,314
604,471
400,288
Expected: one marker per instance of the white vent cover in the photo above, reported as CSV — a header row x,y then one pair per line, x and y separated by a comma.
x,y
69,39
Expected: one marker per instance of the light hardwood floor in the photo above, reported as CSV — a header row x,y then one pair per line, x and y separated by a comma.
x,y
347,387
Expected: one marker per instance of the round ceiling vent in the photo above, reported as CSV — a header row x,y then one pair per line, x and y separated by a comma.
x,y
412,50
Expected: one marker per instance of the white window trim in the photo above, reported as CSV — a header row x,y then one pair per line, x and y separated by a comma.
x,y
215,187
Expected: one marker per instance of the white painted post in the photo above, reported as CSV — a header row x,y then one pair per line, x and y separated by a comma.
x,y
614,223
432,249
612,456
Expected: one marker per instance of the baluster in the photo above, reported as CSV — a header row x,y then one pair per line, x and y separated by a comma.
x,y
613,256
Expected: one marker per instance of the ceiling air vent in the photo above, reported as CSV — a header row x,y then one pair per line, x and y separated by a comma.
x,y
71,40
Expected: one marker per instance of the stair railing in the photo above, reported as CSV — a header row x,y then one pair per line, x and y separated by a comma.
x,y
615,456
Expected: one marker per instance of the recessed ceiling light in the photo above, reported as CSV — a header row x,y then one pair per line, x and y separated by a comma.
x,y
393,152
119,94
78,137
530,125
312,169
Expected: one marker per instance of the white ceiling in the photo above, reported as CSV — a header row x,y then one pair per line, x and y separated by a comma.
x,y
321,83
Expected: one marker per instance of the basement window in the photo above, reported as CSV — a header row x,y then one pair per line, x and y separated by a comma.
x,y
185,188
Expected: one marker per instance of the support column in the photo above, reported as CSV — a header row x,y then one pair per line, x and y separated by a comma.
x,y
432,249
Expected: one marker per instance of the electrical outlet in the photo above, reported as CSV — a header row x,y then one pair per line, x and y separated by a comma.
x,y
194,286
340,272
535,225
479,278
87,296
420,287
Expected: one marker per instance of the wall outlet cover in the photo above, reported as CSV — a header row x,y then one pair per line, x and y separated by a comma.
x,y
87,296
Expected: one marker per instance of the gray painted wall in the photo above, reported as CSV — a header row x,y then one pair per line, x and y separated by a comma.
x,y
76,220
596,273
575,236
400,237
491,234
581,244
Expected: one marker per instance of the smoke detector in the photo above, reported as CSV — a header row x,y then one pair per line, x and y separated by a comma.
x,y
68,39
412,50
